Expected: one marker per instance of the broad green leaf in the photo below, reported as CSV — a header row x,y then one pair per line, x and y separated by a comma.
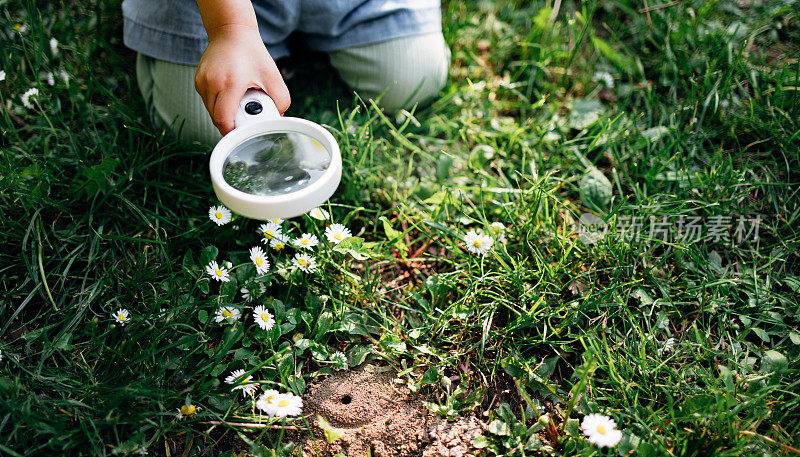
x,y
331,433
595,190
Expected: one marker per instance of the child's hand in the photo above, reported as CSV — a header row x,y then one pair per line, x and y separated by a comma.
x,y
234,61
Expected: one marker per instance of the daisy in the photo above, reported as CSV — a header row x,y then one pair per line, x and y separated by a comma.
x,y
305,262
277,220
28,95
266,402
187,411
603,77
478,244
2,75
319,214
51,80
306,241
337,232
270,230
278,243
253,292
498,228
54,46
1,356
287,404
257,255
121,316
220,215
263,317
217,272
227,312
669,345
245,384
601,430
339,360
21,28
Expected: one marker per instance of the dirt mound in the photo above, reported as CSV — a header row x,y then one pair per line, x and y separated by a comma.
x,y
376,417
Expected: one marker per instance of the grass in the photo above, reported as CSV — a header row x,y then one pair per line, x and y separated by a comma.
x,y
101,210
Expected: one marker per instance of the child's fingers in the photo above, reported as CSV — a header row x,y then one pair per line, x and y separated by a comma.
x,y
225,106
276,88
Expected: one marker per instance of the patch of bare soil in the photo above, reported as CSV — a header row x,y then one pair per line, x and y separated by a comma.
x,y
378,418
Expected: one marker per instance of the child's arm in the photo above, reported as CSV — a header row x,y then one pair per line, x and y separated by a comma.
x,y
235,60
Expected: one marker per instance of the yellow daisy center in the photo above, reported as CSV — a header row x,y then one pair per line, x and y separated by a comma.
x,y
601,429
304,242
283,403
270,398
265,317
17,27
218,215
278,246
188,410
268,234
301,262
259,262
218,272
338,236
477,243
227,313
121,317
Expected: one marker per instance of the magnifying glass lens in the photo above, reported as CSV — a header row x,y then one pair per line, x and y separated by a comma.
x,y
276,163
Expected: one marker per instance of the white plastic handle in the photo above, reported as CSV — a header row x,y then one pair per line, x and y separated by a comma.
x,y
255,106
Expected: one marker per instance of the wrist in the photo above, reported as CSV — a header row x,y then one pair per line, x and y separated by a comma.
x,y
232,31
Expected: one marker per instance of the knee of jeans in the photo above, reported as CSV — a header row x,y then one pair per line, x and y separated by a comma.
x,y
408,83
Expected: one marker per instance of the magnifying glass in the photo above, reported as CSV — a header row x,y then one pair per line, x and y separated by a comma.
x,y
270,166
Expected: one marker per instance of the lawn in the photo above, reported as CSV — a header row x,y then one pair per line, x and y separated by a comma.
x,y
635,167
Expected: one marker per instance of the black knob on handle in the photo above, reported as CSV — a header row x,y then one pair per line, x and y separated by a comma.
x,y
253,108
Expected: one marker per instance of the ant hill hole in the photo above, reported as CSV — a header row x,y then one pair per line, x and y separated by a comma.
x,y
346,400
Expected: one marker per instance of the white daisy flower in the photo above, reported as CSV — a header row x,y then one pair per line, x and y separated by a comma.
x,y
219,214
266,402
54,46
287,404
253,292
319,214
669,345
498,228
29,94
305,262
278,243
306,241
277,220
603,77
21,28
337,232
217,272
227,312
270,230
187,411
339,360
2,75
601,430
121,316
245,384
263,317
478,244
259,259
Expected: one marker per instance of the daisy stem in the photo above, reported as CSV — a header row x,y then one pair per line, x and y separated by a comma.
x,y
252,425
41,265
